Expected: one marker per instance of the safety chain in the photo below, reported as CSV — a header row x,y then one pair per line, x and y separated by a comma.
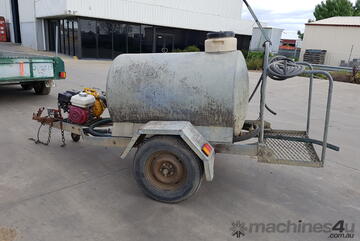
x,y
53,115
62,135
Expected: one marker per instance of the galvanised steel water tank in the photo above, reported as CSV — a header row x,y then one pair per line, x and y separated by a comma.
x,y
210,90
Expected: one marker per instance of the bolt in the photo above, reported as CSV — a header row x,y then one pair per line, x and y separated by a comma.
x,y
165,172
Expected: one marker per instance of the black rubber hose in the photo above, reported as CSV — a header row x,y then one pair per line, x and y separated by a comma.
x,y
256,87
251,134
254,92
99,133
304,140
282,68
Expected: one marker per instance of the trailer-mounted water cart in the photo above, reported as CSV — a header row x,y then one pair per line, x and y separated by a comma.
x,y
180,109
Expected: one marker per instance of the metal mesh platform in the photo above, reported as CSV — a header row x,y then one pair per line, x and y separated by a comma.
x,y
289,152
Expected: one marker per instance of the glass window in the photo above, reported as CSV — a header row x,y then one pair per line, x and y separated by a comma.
x,y
71,37
196,38
133,38
147,37
52,34
76,38
105,39
243,42
66,37
119,39
62,36
164,42
169,39
88,38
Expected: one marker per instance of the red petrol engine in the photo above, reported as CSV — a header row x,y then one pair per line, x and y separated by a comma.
x,y
78,115
78,105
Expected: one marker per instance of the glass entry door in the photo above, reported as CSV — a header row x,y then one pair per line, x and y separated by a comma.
x,y
68,37
164,43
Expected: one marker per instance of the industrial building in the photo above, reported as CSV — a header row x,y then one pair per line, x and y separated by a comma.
x,y
258,40
338,36
107,28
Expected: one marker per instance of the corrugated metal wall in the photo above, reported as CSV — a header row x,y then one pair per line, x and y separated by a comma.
x,y
341,43
5,9
47,8
208,15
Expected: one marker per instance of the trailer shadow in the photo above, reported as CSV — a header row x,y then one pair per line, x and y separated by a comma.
x,y
14,90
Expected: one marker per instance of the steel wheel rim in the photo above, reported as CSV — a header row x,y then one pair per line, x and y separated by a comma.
x,y
165,171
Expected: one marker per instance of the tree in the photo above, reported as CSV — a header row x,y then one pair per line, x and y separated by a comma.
x,y
357,8
300,35
332,8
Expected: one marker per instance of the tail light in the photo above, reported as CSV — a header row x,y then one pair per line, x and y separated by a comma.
x,y
207,149
62,75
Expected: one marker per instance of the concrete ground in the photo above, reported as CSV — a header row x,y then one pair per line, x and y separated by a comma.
x,y
87,193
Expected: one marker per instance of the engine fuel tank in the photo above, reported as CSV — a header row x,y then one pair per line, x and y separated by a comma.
x,y
207,89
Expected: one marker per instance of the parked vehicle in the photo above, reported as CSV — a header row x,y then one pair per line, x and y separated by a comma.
x,y
31,72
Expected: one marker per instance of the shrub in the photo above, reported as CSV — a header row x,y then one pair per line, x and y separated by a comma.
x,y
254,60
245,53
255,55
255,64
191,48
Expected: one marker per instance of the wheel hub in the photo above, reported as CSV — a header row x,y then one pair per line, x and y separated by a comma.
x,y
166,171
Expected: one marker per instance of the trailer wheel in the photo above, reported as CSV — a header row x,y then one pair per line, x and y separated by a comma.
x,y
41,88
167,170
75,137
26,86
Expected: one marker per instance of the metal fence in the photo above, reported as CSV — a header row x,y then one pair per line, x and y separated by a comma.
x,y
333,68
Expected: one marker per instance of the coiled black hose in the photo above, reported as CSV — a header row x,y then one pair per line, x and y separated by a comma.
x,y
282,68
99,133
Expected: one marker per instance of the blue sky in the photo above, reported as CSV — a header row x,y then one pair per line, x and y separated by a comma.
x,y
289,15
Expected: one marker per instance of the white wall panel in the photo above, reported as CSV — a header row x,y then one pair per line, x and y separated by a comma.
x,y
208,15
49,8
5,10
340,42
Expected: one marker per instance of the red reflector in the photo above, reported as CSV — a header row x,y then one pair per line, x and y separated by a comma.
x,y
207,149
62,75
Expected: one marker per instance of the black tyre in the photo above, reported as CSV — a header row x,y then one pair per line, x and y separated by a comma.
x,y
26,86
167,170
41,88
75,137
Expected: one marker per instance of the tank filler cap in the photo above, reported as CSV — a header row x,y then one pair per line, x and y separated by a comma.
x,y
83,94
220,42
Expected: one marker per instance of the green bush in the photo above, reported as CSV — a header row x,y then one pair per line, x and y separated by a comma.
x,y
255,55
191,48
254,60
254,64
245,53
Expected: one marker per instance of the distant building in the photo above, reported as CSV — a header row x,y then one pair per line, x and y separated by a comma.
x,y
258,39
107,28
339,36
288,44
290,48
